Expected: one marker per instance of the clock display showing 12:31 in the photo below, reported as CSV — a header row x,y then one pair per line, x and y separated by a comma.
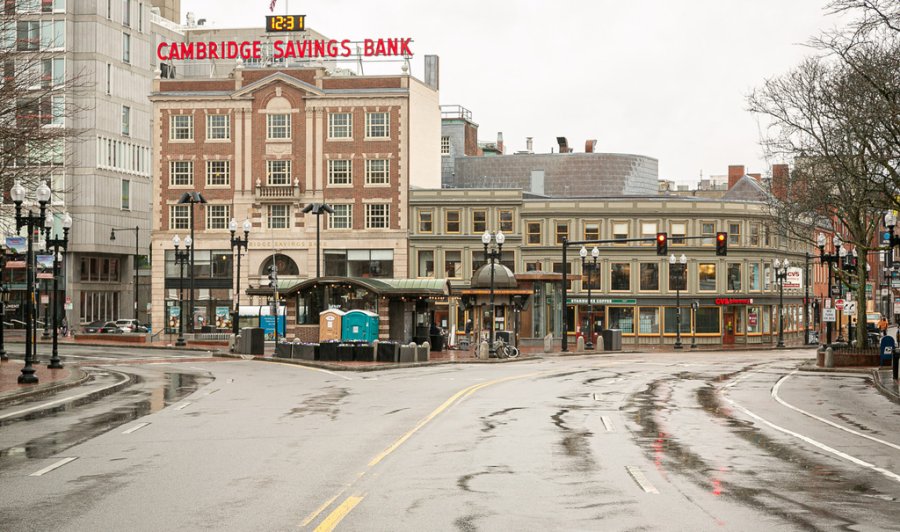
x,y
279,23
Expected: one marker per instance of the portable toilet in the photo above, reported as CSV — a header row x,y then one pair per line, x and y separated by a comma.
x,y
330,324
360,325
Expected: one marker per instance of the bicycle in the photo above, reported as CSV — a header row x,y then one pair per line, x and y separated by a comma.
x,y
505,350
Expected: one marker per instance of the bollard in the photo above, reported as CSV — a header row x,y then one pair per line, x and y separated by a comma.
x,y
483,351
375,350
895,362
548,343
599,345
426,347
829,357
579,344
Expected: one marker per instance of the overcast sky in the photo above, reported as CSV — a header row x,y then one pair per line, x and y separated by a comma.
x,y
662,78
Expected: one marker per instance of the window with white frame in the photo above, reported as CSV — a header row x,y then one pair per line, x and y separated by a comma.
x,y
53,34
181,173
218,127
445,145
339,172
217,216
340,125
378,171
54,72
342,217
126,48
278,216
181,127
218,173
126,120
377,215
126,195
648,230
126,13
679,231
278,172
179,216
378,125
620,230
278,126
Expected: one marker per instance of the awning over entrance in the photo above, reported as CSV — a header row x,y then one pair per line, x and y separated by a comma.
x,y
381,287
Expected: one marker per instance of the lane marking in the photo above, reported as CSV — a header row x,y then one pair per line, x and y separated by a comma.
x,y
607,423
135,428
889,474
457,397
823,420
64,400
641,479
182,406
339,513
57,465
212,391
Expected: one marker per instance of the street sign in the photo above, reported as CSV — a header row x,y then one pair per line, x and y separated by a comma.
x,y
897,306
827,302
839,304
836,291
850,308
829,314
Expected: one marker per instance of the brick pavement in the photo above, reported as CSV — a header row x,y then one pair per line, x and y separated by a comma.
x,y
11,369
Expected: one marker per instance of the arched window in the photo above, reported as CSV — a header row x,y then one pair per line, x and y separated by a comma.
x,y
285,265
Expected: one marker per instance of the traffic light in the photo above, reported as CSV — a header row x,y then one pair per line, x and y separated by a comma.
x,y
662,244
273,276
721,244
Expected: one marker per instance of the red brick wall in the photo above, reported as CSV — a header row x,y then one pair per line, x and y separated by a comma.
x,y
735,173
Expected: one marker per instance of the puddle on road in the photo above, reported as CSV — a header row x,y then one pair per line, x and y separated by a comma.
x,y
175,387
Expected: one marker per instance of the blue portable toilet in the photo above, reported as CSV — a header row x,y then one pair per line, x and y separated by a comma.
x,y
359,326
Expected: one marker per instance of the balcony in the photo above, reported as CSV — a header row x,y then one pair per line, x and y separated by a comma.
x,y
277,192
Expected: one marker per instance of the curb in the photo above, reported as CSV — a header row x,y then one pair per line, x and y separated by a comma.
x,y
879,384
384,366
76,378
125,344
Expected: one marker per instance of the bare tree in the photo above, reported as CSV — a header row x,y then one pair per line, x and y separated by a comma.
x,y
39,97
820,118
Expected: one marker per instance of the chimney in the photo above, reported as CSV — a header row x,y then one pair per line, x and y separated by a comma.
x,y
432,72
757,177
563,145
500,142
780,175
590,146
735,173
529,144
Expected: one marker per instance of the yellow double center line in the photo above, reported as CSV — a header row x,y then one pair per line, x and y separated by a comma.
x,y
335,517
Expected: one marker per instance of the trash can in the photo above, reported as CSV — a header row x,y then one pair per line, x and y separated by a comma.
x,y
254,340
284,350
437,342
612,339
388,351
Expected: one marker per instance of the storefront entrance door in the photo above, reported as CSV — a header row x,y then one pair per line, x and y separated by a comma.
x,y
728,339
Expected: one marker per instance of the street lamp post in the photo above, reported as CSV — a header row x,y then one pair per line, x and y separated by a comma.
x,y
828,259
192,198
181,257
112,237
317,209
682,265
54,245
781,269
238,243
32,222
595,254
490,257
3,356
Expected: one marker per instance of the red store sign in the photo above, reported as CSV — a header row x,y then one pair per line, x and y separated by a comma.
x,y
733,301
281,49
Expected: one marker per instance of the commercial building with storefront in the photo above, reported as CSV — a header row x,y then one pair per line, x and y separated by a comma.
x,y
632,289
261,144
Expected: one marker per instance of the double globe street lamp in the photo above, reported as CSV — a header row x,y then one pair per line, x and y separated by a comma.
x,y
678,266
781,271
181,258
238,243
54,245
33,223
495,242
595,254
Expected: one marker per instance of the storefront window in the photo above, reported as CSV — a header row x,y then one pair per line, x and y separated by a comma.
x,y
622,318
649,320
620,276
649,276
739,320
754,315
707,320
671,320
767,320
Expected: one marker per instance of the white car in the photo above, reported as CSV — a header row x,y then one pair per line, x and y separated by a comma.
x,y
130,325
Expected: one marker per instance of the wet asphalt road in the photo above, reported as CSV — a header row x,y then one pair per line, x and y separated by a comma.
x,y
687,441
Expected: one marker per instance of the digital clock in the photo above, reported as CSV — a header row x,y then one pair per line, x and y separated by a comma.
x,y
279,23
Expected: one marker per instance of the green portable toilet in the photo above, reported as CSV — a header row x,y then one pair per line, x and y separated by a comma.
x,y
359,326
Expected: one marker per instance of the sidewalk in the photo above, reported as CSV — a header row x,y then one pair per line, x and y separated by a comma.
x,y
50,381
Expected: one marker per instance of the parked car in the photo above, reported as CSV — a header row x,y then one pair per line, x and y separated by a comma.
x,y
103,327
129,325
